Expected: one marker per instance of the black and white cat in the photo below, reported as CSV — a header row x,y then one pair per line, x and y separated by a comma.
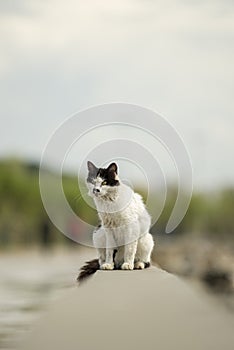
x,y
123,239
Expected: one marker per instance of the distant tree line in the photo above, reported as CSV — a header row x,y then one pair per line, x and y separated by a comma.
x,y
23,220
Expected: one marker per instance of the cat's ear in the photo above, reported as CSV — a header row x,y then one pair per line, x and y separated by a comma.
x,y
113,168
92,168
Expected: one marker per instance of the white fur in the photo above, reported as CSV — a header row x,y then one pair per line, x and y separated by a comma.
x,y
125,225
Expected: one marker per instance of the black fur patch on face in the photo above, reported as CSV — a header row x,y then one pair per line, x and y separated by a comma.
x,y
107,174
91,177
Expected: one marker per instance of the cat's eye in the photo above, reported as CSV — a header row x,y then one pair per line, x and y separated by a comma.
x,y
104,183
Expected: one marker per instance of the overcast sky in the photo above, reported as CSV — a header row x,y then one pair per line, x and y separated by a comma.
x,y
174,56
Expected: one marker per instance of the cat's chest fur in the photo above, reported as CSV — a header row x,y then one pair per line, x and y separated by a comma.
x,y
125,208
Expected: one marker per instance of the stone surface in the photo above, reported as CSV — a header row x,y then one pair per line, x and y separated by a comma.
x,y
148,309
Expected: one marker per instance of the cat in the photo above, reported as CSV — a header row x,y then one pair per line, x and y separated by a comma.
x,y
122,239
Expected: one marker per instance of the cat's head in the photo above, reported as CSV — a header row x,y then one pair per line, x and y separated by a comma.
x,y
102,182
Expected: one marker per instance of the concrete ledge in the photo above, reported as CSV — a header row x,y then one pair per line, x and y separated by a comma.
x,y
147,309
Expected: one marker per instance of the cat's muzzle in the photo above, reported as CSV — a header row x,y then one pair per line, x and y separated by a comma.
x,y
96,191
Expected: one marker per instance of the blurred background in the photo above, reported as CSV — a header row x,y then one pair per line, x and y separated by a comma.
x,y
173,56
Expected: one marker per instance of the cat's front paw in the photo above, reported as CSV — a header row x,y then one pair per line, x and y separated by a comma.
x,y
107,266
127,266
139,265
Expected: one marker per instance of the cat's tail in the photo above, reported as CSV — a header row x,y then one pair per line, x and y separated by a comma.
x,y
88,269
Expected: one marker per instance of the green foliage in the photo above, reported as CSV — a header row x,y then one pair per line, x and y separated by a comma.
x,y
208,214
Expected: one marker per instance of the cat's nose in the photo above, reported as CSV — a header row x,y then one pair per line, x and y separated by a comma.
x,y
96,190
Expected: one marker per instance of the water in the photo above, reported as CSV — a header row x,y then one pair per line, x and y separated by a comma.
x,y
29,282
